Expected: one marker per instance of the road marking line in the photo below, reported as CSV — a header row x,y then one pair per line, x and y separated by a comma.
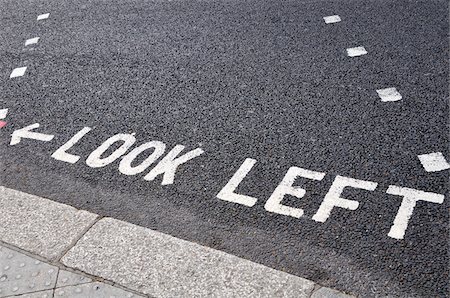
x,y
31,41
332,19
357,51
18,72
389,94
43,16
434,162
3,113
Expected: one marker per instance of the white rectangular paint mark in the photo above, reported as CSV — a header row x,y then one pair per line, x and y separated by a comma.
x,y
332,19
31,41
43,16
18,72
434,162
358,51
3,113
389,94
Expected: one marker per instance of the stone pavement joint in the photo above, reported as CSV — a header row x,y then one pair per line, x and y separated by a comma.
x,y
39,225
76,239
29,277
113,258
175,267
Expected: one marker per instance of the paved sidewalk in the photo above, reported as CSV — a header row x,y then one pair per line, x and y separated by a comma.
x,y
49,249
25,276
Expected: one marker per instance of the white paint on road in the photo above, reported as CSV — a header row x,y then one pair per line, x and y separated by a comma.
x,y
43,16
125,166
332,19
358,51
274,205
61,152
228,191
18,72
31,41
434,162
389,94
333,197
410,198
95,159
117,146
27,133
169,164
3,113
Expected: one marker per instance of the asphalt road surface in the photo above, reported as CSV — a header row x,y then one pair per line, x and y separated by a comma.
x,y
267,81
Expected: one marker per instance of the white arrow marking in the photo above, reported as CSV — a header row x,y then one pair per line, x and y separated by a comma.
x,y
27,133
3,113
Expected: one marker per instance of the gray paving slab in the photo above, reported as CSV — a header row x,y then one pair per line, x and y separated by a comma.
x,y
39,225
66,278
25,276
21,274
41,294
164,266
93,290
329,293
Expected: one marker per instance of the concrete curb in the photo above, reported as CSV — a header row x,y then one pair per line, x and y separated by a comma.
x,y
140,260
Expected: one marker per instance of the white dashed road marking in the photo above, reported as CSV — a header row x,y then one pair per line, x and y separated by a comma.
x,y
31,41
332,19
389,94
434,162
43,16
18,72
3,113
357,51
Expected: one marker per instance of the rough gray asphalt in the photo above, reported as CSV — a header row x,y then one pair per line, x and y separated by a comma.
x,y
267,80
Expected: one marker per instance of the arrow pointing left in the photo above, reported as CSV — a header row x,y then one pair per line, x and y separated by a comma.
x,y
27,133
